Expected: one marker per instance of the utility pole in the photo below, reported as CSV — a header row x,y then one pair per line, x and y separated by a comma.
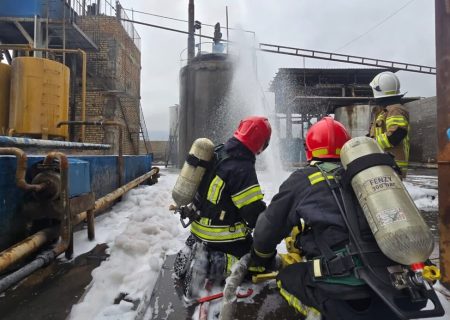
x,y
191,39
442,9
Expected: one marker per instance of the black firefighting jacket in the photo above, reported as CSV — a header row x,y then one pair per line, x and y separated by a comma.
x,y
230,201
304,200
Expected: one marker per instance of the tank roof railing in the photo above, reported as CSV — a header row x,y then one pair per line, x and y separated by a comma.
x,y
105,8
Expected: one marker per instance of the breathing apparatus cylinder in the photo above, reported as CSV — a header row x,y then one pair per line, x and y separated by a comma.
x,y
395,221
191,174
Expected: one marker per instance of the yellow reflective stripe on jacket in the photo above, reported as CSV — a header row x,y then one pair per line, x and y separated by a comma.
x,y
205,221
381,117
402,164
231,260
297,304
219,233
215,190
318,177
383,141
396,120
247,196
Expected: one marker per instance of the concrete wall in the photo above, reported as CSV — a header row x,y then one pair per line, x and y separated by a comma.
x,y
159,150
423,134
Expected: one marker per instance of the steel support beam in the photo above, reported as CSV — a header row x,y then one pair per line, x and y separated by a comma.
x,y
442,8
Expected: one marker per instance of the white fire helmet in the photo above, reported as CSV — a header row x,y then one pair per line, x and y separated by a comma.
x,y
386,84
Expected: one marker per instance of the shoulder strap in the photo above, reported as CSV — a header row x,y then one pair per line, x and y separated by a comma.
x,y
220,155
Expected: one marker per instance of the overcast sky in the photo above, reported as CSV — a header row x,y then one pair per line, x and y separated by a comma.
x,y
325,25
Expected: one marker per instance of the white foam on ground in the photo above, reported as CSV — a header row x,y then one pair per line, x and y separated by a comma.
x,y
140,231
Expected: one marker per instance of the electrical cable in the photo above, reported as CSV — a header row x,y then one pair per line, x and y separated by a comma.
x,y
182,20
377,25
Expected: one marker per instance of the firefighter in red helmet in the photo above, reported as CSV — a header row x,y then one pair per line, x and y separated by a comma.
x,y
229,201
323,285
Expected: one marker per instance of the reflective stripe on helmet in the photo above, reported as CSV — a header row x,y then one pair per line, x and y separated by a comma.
x,y
219,233
247,196
324,151
390,92
215,190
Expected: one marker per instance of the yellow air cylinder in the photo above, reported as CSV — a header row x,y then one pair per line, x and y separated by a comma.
x,y
191,175
5,80
39,97
395,221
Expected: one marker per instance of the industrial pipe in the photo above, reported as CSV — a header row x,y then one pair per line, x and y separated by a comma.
x,y
34,242
6,141
120,164
66,243
26,247
40,261
83,71
22,169
103,202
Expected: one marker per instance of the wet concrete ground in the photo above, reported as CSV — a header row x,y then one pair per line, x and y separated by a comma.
x,y
50,292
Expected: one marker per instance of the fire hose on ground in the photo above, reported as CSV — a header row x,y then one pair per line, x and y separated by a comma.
x,y
34,242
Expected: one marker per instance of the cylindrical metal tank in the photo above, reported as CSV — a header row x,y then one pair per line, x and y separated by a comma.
x,y
39,97
395,221
5,80
356,118
204,84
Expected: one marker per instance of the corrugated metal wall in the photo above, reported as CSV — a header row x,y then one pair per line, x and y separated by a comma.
x,y
423,134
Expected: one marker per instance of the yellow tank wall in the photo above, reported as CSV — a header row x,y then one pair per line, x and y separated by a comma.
x,y
39,97
5,80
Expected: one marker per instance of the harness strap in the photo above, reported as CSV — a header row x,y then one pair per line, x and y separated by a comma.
x,y
197,162
367,161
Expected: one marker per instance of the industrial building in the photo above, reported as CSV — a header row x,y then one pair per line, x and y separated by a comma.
x,y
302,95
78,32
70,81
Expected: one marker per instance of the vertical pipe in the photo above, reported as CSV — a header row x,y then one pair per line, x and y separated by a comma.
x,y
64,32
120,160
118,10
35,35
83,94
90,215
442,9
228,36
66,243
191,39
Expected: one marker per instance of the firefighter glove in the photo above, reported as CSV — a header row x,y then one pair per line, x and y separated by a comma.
x,y
263,263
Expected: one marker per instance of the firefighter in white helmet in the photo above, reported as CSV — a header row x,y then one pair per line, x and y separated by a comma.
x,y
390,126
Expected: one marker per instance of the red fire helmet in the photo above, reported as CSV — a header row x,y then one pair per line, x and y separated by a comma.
x,y
254,133
325,139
